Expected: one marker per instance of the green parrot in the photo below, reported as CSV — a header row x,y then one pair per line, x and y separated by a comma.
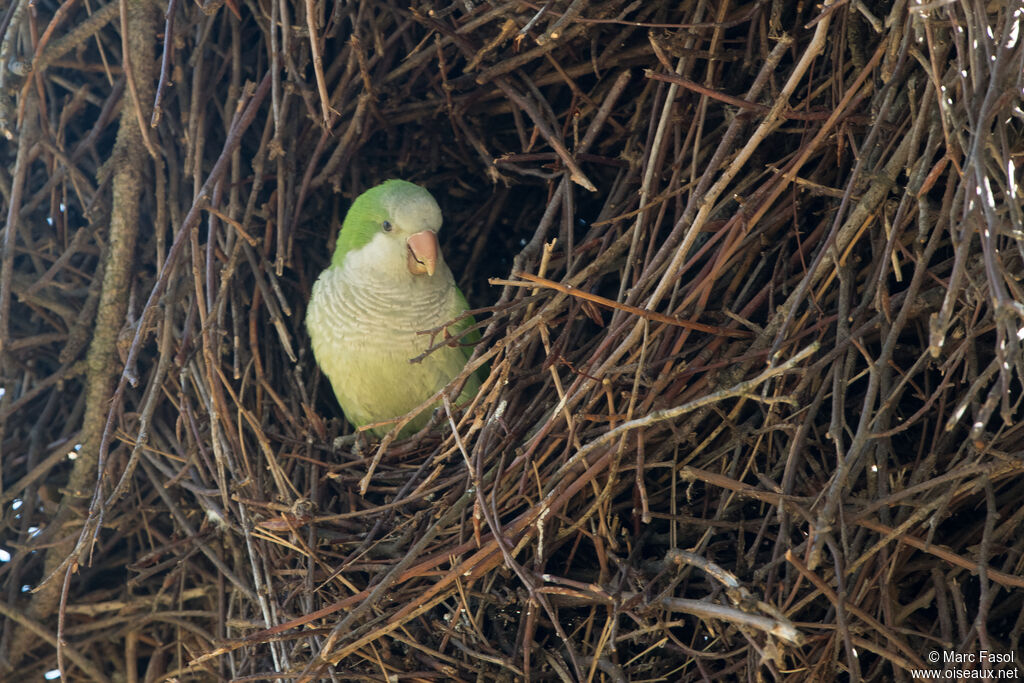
x,y
386,284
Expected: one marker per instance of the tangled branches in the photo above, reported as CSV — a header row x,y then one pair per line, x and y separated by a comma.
x,y
748,279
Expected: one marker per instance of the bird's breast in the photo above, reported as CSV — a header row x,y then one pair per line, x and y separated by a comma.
x,y
393,314
365,337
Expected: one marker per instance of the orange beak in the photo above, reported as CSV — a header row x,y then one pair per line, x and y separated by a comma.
x,y
423,250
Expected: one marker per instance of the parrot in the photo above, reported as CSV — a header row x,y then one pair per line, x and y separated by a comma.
x,y
386,284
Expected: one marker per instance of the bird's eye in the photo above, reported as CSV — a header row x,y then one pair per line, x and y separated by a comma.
x,y
386,226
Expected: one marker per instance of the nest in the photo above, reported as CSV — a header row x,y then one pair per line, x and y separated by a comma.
x,y
748,283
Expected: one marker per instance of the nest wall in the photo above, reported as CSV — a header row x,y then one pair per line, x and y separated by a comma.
x,y
748,278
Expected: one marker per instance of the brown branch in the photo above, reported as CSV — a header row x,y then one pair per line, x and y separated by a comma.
x,y
648,315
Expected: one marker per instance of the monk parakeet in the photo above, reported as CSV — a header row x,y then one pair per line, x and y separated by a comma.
x,y
386,284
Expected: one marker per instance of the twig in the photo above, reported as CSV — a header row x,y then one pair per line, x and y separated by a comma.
x,y
643,313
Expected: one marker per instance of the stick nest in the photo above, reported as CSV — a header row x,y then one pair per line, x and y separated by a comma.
x,y
749,282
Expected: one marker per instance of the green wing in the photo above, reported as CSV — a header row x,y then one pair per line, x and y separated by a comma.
x,y
468,339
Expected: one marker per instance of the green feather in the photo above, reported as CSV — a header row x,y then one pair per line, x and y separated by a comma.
x,y
368,308
368,211
469,339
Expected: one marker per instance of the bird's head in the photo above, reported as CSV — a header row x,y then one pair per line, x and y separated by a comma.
x,y
392,226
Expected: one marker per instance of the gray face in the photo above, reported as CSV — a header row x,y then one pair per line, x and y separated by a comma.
x,y
412,210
